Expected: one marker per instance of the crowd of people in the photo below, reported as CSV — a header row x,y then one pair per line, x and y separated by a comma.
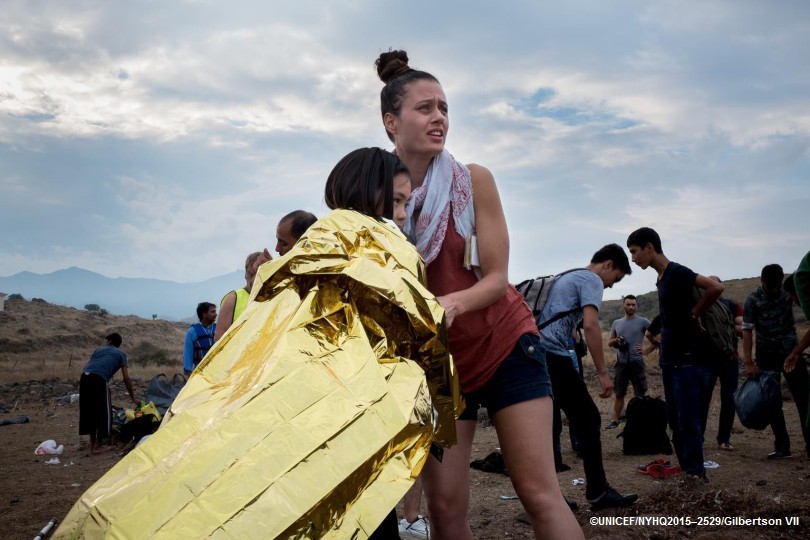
x,y
452,214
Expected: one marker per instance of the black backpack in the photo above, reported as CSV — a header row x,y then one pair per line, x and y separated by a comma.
x,y
645,429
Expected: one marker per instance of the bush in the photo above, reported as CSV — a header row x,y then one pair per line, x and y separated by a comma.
x,y
15,296
92,307
146,353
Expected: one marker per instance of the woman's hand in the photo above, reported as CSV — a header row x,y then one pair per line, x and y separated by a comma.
x,y
451,308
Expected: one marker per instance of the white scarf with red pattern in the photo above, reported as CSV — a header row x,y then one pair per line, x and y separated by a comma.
x,y
447,186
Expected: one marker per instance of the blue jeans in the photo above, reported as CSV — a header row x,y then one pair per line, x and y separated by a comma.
x,y
686,389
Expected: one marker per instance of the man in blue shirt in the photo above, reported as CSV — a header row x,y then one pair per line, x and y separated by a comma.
x,y
685,359
95,409
200,337
578,294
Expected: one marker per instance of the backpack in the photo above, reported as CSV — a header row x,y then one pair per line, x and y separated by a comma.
x,y
734,309
536,292
202,342
719,324
645,429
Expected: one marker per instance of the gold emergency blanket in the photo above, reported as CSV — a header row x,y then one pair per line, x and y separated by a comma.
x,y
310,418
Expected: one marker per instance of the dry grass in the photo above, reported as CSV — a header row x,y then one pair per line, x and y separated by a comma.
x,y
42,341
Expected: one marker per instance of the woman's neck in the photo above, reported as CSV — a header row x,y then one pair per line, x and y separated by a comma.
x,y
417,164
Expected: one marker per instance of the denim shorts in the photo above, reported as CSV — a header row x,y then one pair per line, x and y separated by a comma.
x,y
522,376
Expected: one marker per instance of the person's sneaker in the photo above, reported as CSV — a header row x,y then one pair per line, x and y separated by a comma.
x,y
697,478
613,424
612,499
562,467
726,446
779,454
418,529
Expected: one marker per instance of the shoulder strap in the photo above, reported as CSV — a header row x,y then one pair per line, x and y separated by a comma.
x,y
202,333
558,316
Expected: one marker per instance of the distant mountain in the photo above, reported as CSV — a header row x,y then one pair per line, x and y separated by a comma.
x,y
76,287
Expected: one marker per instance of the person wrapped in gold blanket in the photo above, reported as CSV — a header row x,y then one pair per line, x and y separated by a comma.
x,y
313,414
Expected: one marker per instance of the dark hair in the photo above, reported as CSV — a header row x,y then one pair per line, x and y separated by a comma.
x,y
628,297
115,339
202,309
615,253
360,177
394,71
300,221
789,285
643,236
772,275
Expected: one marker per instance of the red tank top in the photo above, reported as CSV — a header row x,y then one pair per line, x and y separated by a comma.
x,y
479,340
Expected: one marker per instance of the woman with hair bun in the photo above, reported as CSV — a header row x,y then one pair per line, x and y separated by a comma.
x,y
492,334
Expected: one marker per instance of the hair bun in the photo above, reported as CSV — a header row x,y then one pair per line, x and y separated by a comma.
x,y
392,64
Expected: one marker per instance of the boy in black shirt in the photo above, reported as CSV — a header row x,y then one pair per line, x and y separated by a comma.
x,y
684,358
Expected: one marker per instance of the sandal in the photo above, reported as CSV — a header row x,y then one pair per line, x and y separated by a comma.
x,y
661,471
725,446
660,461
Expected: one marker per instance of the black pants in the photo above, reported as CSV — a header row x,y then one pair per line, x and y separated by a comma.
x,y
571,395
388,529
95,412
799,384
728,372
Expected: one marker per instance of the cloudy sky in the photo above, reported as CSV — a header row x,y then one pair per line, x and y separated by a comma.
x,y
165,139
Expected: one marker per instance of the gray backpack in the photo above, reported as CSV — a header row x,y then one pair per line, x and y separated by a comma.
x,y
536,292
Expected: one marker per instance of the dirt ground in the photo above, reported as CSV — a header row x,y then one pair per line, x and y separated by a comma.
x,y
745,485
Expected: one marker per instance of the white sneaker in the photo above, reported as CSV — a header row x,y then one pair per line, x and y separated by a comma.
x,y
418,529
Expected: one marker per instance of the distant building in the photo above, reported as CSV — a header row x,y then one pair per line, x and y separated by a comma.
x,y
2,301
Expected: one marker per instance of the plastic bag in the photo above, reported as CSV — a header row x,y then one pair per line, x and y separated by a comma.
x,y
162,391
149,408
49,447
757,399
144,410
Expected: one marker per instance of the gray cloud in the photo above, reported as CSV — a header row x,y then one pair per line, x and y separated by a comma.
x,y
133,134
